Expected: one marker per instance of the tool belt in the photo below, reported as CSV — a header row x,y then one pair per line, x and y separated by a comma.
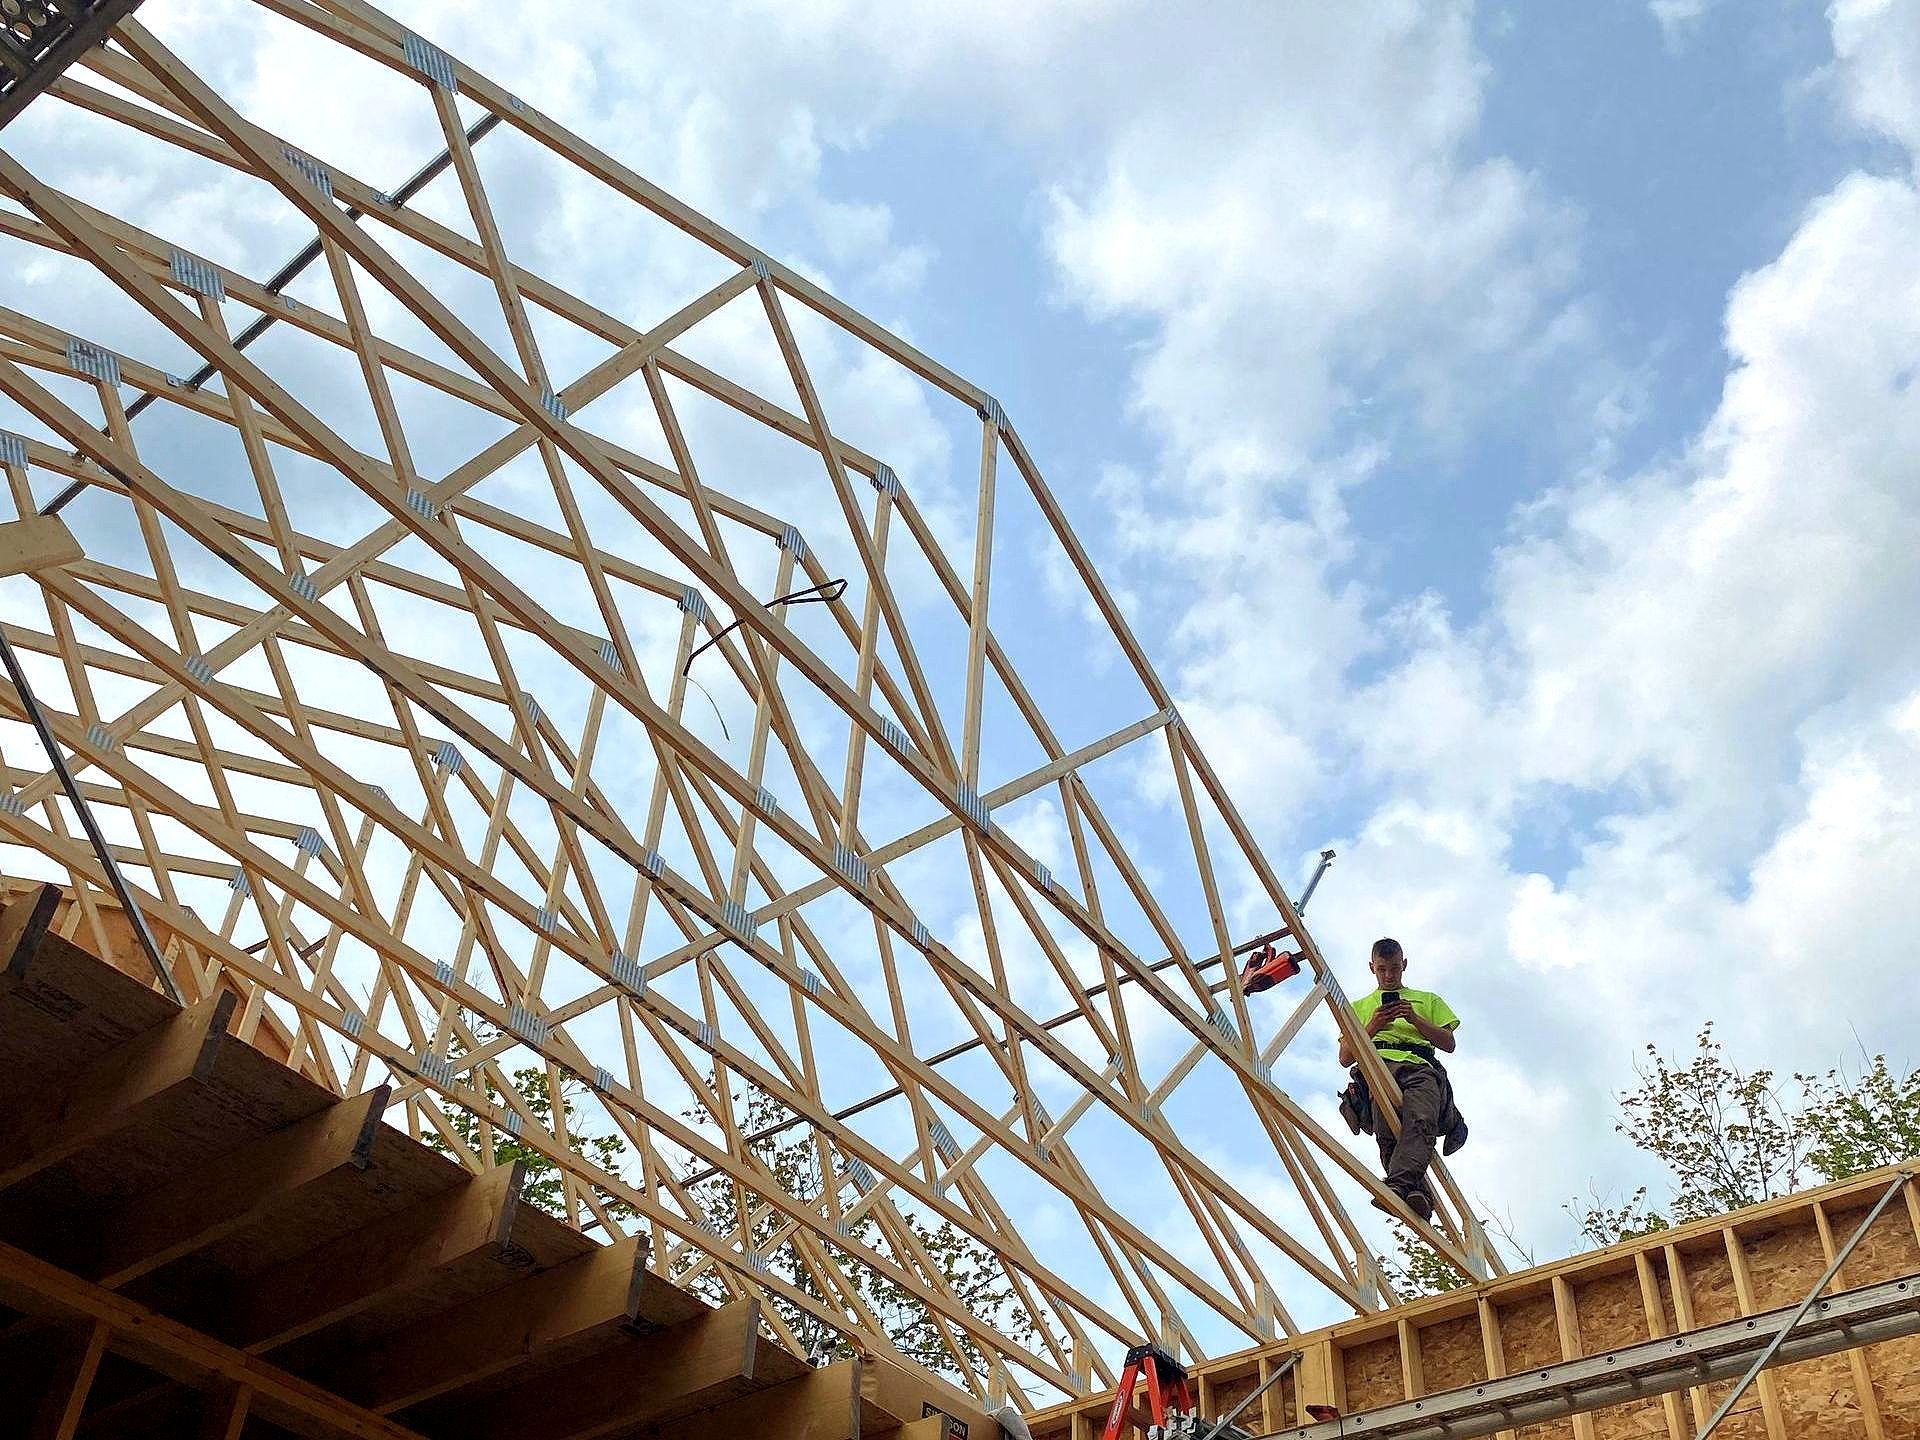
x,y
1357,1107
1410,1047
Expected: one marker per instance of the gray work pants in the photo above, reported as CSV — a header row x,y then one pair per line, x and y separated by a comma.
x,y
1424,1101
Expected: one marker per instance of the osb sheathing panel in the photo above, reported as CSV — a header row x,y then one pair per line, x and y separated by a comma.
x,y
1373,1373
1818,1399
1887,1249
1228,1393
1785,1262
1530,1336
1611,1314
1451,1353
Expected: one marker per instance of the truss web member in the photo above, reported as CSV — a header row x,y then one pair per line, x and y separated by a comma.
x,y
1408,1028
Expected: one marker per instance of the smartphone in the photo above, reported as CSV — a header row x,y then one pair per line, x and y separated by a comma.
x,y
1389,997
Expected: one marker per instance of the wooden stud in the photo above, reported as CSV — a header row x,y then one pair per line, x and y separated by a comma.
x,y
1766,1384
223,1413
1857,1358
1656,1317
1566,1319
1683,1312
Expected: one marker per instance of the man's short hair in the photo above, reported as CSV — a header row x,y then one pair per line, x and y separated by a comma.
x,y
1387,948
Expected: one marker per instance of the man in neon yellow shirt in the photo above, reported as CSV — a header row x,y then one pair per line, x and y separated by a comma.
x,y
1407,1028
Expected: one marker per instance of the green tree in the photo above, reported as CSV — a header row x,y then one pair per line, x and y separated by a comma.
x,y
543,1185
1730,1137
1416,1268
793,1156
1853,1125
1603,1222
1726,1135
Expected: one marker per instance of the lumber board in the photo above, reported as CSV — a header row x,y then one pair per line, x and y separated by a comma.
x,y
228,1192
118,1091
823,1404
480,1222
35,543
593,1304
178,1351
1663,1285
698,1365
77,1348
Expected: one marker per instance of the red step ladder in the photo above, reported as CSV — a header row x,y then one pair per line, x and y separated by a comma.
x,y
1169,1392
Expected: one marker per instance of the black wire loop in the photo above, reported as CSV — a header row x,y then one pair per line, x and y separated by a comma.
x,y
826,590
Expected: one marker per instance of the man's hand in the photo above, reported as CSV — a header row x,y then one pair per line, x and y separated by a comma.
x,y
1387,1014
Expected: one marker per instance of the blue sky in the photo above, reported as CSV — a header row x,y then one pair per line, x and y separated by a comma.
x,y
1435,498
1495,421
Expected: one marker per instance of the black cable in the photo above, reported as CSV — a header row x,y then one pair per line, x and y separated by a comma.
x,y
282,278
826,590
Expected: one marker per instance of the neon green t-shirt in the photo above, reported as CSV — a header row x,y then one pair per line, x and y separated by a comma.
x,y
1427,1005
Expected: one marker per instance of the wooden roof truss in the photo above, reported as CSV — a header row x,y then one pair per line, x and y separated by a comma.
x,y
426,783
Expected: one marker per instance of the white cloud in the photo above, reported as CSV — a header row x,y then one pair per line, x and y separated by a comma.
x,y
1670,631
1717,654
1878,46
1305,227
1679,18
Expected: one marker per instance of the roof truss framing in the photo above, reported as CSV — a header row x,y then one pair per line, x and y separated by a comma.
x,y
592,886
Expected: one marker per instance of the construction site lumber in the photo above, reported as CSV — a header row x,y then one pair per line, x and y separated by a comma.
x,y
1638,1339
1874,1313
197,1241
319,922
638,896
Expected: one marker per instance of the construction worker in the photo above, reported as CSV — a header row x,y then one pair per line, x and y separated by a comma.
x,y
1407,1028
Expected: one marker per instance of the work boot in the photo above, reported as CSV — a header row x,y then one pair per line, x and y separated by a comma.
x,y
1419,1202
1412,1202
1454,1138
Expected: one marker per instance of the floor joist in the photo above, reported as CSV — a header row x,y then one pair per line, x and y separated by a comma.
x,y
282,1256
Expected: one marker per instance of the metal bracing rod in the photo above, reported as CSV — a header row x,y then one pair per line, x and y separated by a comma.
x,y
1066,1017
1292,1360
87,822
1762,1360
284,277
1326,859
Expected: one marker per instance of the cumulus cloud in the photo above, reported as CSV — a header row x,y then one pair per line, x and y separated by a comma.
x,y
1877,43
1637,788
1715,658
